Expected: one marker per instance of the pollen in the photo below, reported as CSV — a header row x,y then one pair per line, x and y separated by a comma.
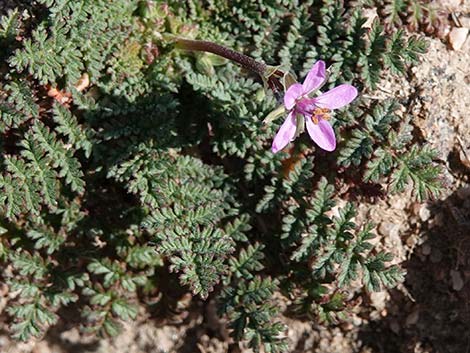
x,y
320,113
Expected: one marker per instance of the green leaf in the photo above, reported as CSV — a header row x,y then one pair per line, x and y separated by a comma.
x,y
9,24
377,275
359,146
68,126
124,310
27,264
61,157
247,262
416,167
46,239
379,166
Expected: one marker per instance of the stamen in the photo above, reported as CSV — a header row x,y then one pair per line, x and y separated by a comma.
x,y
320,113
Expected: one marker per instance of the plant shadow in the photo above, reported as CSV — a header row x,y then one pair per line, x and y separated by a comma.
x,y
435,316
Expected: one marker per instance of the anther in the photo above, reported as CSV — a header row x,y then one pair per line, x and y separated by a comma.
x,y
322,113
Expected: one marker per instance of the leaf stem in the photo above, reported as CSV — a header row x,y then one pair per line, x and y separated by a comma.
x,y
230,54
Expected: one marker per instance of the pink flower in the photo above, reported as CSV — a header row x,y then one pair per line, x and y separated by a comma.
x,y
315,110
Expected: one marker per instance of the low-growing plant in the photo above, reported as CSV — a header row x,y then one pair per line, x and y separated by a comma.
x,y
131,151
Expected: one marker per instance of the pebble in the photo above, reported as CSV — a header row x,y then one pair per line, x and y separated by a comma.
x,y
424,213
73,336
370,15
399,203
379,299
426,249
412,318
457,37
457,280
390,229
464,21
357,321
43,347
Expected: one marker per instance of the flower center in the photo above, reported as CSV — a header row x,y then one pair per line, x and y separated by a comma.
x,y
320,113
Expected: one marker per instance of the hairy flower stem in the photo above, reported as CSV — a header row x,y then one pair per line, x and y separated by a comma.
x,y
241,59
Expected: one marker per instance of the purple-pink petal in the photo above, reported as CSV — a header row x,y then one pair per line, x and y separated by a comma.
x,y
337,97
293,92
285,134
316,76
322,134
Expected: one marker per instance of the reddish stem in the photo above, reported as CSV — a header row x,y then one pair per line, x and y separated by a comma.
x,y
241,59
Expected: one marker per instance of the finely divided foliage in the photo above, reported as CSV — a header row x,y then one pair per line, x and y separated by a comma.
x,y
131,171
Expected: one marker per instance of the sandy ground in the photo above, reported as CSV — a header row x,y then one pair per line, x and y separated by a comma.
x,y
430,312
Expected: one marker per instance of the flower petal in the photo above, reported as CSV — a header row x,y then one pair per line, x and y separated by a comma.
x,y
316,76
294,92
337,97
322,134
285,134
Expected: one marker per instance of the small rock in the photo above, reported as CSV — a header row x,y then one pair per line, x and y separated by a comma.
x,y
42,347
357,321
426,249
411,242
370,15
390,229
399,203
83,82
464,21
412,319
379,300
424,213
457,281
457,37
